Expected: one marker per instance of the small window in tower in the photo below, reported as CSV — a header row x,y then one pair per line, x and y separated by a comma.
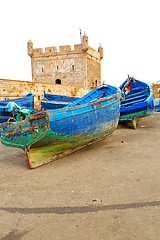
x,y
58,81
42,69
57,67
73,67
95,83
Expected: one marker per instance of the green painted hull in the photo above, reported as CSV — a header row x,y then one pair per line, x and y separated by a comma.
x,y
43,145
40,153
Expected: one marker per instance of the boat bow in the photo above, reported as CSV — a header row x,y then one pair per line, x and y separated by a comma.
x,y
24,134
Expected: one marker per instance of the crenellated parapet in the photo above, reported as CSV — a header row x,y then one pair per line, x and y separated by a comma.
x,y
51,50
65,49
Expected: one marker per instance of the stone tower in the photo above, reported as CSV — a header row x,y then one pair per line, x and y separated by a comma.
x,y
78,67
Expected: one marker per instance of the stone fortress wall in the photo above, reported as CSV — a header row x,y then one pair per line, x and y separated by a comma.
x,y
156,90
10,89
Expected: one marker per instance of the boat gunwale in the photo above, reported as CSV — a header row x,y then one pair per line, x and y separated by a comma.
x,y
85,112
21,123
51,113
117,95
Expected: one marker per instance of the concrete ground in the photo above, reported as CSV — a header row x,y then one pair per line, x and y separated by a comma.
x,y
109,190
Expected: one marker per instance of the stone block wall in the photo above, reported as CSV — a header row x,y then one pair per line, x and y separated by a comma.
x,y
71,71
156,90
10,89
93,73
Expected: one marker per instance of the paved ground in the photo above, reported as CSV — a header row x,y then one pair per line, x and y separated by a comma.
x,y
109,190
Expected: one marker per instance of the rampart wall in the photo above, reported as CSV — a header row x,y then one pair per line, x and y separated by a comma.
x,y
10,89
156,90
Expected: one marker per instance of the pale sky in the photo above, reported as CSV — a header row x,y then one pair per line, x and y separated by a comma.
x,y
128,30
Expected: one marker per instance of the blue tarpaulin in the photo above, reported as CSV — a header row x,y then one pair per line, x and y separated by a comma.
x,y
12,106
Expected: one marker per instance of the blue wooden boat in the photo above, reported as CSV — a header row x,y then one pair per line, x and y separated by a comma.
x,y
56,101
157,104
51,134
136,101
26,102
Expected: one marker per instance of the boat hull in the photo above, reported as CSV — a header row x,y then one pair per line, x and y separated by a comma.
x,y
138,103
157,104
56,101
58,133
136,114
157,108
37,156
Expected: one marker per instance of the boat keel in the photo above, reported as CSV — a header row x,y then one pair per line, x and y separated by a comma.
x,y
134,122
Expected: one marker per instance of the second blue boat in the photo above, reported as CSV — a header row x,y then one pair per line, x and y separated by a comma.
x,y
136,101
